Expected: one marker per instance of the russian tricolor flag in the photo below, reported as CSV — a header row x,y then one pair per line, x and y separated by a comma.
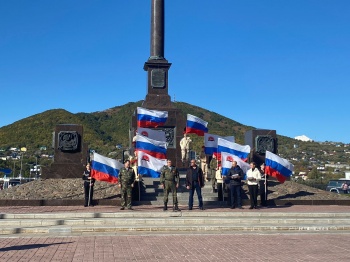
x,y
278,167
211,142
195,125
226,163
152,147
151,118
235,149
105,169
149,166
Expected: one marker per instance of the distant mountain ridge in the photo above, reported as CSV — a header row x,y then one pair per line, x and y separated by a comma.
x,y
104,130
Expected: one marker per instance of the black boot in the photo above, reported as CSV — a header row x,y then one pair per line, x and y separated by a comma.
x,y
165,208
176,208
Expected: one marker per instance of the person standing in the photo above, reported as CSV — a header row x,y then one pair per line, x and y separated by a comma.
x,y
138,178
213,168
185,144
253,177
203,158
263,186
126,183
235,176
194,182
88,186
169,181
220,183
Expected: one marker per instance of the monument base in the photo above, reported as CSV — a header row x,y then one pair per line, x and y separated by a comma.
x,y
63,171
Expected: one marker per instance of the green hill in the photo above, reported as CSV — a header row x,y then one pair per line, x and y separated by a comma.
x,y
105,129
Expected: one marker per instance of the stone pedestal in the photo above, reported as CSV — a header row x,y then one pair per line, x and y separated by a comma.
x,y
71,154
157,84
259,141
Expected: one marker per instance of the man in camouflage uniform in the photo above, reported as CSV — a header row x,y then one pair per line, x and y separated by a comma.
x,y
126,183
169,181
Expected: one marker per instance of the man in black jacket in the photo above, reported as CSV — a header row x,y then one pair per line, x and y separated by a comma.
x,y
194,182
235,176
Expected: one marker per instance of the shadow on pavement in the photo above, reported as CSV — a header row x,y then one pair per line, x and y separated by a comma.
x,y
32,246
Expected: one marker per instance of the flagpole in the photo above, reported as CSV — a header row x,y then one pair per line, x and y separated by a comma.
x,y
139,189
265,190
89,191
223,192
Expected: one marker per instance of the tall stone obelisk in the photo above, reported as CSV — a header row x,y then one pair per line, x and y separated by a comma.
x,y
157,97
157,66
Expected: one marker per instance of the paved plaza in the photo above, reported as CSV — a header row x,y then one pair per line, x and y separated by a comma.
x,y
216,246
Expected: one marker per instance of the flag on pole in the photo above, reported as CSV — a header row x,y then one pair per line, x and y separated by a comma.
x,y
211,142
152,147
105,169
195,125
154,134
151,118
278,167
226,163
233,148
149,166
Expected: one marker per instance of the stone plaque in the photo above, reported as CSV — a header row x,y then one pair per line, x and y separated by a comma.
x,y
169,135
158,78
68,140
263,143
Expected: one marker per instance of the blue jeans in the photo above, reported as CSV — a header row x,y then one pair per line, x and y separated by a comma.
x,y
235,191
197,188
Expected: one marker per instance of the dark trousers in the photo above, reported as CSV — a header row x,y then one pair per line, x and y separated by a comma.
x,y
197,188
253,193
87,187
235,193
220,191
213,177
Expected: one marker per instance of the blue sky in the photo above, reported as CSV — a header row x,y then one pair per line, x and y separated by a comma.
x,y
272,64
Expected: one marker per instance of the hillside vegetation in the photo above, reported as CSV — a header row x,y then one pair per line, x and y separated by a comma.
x,y
105,129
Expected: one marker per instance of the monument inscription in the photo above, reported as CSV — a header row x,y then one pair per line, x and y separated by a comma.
x,y
158,78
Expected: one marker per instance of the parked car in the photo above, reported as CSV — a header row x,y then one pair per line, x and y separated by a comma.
x,y
335,185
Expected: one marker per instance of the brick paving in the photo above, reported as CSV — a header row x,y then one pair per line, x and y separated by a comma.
x,y
185,247
177,247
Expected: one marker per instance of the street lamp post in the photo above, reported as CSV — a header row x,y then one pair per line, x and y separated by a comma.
x,y
20,172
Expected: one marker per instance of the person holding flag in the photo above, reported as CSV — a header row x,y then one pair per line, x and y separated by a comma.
x,y
126,183
88,186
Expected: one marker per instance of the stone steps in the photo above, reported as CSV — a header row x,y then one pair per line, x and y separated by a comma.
x,y
152,194
168,222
